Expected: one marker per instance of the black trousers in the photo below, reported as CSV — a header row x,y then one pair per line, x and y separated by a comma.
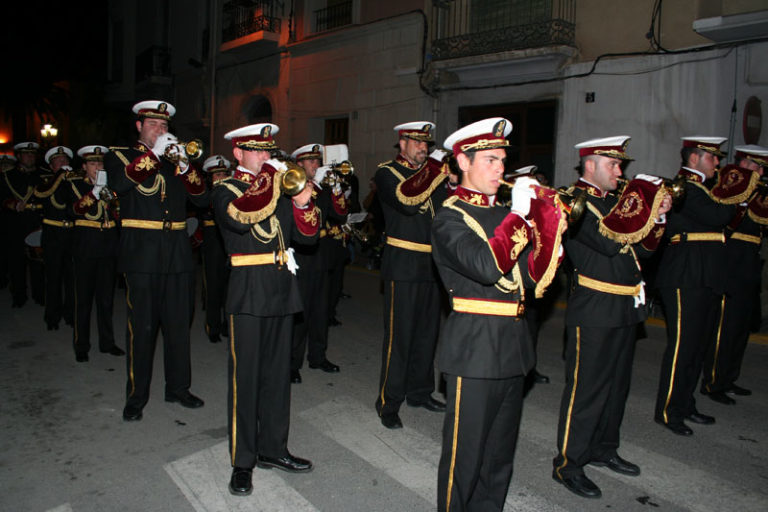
x,y
722,363
94,281
310,332
215,278
598,371
59,284
22,259
259,387
157,301
695,311
482,420
411,324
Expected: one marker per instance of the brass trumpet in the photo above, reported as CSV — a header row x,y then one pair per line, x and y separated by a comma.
x,y
338,174
192,151
575,203
293,179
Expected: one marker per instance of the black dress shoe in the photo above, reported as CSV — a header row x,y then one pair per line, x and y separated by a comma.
x,y
288,463
721,398
701,419
430,404
240,483
131,413
326,366
618,465
81,357
391,421
295,377
186,399
214,338
538,378
738,390
114,350
678,428
580,485
333,322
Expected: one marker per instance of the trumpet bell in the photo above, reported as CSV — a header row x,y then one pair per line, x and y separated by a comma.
x,y
676,188
576,205
293,180
345,168
194,149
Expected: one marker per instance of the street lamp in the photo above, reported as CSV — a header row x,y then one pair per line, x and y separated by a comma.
x,y
49,131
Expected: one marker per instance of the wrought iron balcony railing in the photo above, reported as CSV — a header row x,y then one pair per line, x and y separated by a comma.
x,y
333,17
244,17
463,28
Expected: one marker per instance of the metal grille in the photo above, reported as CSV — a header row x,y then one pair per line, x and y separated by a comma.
x,y
244,17
333,17
475,27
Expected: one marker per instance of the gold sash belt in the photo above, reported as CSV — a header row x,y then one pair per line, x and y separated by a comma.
x,y
95,224
405,244
615,289
265,258
58,223
746,238
488,307
209,223
698,237
165,225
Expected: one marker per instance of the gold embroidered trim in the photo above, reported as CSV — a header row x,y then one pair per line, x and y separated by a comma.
x,y
614,289
58,223
95,224
209,223
258,215
248,260
487,307
405,244
754,178
418,199
454,443
642,232
697,237
154,224
754,239
51,189
567,433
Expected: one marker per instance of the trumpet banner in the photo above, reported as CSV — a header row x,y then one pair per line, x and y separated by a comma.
x,y
548,216
634,215
734,185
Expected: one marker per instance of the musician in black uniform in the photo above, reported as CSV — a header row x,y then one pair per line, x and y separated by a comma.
x,y
94,249
411,291
606,304
485,256
691,283
215,265
258,223
310,333
53,193
7,162
23,216
722,364
155,254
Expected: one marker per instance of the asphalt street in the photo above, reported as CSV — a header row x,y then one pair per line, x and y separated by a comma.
x,y
64,446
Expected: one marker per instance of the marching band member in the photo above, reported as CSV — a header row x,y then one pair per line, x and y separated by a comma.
x,y
606,304
722,363
486,255
155,254
215,267
258,222
691,283
57,238
94,250
410,195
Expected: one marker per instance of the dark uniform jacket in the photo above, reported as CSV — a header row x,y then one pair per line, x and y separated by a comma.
x,y
480,345
150,189
90,241
261,290
695,264
742,250
596,256
409,222
53,193
19,185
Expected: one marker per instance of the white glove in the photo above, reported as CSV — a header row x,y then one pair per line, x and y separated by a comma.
x,y
640,297
277,165
647,177
320,173
438,155
183,162
291,263
347,193
162,142
101,182
66,168
522,194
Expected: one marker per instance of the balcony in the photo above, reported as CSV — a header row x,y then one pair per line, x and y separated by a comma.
x,y
332,17
249,21
465,28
